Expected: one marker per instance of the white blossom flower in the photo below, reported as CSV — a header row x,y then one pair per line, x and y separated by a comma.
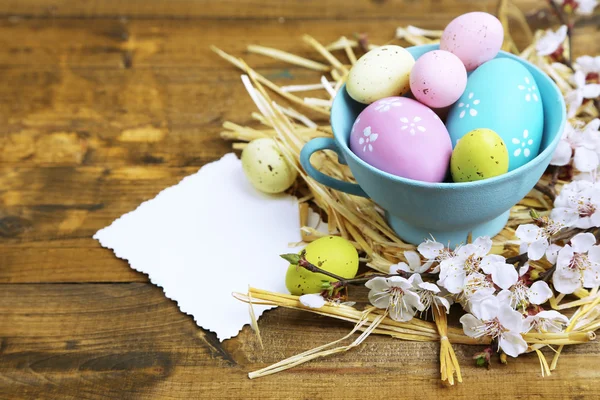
x,y
434,251
413,125
551,41
496,319
429,293
469,105
546,321
397,295
578,205
534,239
472,258
368,139
583,143
521,296
580,92
312,300
477,287
588,65
414,264
385,105
575,268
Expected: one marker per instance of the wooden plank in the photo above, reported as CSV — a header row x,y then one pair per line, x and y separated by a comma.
x,y
123,44
249,9
92,341
28,264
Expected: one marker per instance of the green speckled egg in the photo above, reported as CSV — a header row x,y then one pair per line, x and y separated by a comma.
x,y
480,154
331,253
266,168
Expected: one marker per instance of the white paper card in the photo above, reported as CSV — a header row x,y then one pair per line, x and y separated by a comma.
x,y
206,237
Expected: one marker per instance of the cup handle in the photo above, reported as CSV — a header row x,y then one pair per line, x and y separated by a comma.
x,y
318,144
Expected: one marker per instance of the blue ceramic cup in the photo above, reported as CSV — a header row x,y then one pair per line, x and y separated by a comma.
x,y
447,211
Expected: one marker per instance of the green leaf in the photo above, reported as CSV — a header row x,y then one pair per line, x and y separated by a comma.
x,y
292,258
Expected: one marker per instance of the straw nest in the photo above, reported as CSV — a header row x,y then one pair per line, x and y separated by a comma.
x,y
293,120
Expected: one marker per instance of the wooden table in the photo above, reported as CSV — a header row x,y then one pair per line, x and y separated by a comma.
x,y
105,103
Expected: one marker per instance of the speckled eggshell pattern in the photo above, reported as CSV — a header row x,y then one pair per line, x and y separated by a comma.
x,y
438,79
382,72
503,96
403,137
480,154
266,167
475,38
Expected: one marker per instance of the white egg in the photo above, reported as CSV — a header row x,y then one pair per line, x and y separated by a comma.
x,y
266,167
382,72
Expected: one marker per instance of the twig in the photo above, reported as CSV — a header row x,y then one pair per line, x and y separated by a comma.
x,y
547,190
521,258
564,21
548,274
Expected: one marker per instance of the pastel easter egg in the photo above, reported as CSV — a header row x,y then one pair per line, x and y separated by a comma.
x,y
503,96
403,137
266,167
382,72
438,79
475,38
480,154
331,253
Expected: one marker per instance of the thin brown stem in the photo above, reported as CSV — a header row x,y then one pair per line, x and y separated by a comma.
x,y
547,190
304,263
521,258
564,21
548,274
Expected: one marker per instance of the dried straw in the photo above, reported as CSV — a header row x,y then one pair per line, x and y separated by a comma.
x,y
361,221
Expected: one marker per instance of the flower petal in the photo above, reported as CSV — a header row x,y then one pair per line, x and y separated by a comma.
x,y
488,263
585,160
552,253
378,283
430,249
312,300
562,154
432,287
539,292
471,325
591,276
528,233
505,276
594,254
486,309
537,249
483,245
512,344
402,266
582,242
565,284
510,319
413,259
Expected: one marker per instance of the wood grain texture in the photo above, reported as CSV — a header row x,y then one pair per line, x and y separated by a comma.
x,y
93,341
105,103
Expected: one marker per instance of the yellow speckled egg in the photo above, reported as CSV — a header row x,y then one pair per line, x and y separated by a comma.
x,y
480,154
382,72
331,253
266,168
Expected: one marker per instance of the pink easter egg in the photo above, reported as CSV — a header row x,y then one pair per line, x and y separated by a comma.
x,y
475,38
438,79
403,137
